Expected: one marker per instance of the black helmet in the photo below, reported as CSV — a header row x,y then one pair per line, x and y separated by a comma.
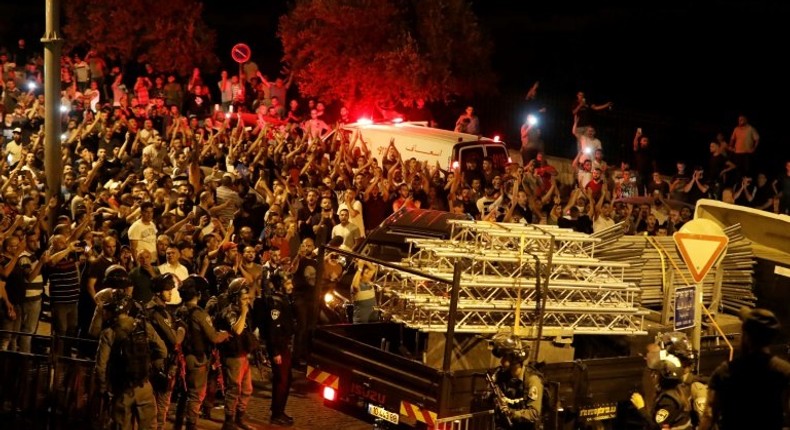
x,y
223,274
237,287
192,287
164,282
118,303
506,345
677,344
670,371
116,276
761,325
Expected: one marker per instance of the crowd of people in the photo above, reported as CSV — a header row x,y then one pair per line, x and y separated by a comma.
x,y
635,191
186,177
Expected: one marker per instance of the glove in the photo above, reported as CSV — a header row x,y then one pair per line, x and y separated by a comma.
x,y
637,400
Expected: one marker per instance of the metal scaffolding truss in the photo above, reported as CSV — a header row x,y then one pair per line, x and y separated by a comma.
x,y
501,266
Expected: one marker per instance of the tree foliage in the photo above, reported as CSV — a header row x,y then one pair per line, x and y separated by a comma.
x,y
367,51
170,34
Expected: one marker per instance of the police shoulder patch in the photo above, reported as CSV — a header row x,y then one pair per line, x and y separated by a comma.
x,y
661,415
533,393
275,314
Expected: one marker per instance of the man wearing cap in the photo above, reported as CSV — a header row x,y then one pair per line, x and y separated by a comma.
x,y
13,149
750,391
164,324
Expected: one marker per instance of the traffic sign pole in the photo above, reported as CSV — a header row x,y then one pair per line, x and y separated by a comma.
x,y
702,244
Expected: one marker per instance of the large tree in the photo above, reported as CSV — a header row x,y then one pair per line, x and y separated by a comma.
x,y
169,34
367,51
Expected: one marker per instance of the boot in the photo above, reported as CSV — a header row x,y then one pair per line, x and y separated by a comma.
x,y
240,421
228,424
191,426
205,412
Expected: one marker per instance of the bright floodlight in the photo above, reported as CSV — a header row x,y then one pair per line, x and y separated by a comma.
x,y
64,109
532,119
31,86
364,121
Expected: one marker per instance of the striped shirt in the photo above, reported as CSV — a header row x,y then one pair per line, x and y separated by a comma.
x,y
64,282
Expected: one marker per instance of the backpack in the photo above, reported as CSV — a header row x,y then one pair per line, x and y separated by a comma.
x,y
131,356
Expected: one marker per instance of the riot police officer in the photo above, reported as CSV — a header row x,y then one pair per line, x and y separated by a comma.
x,y
275,319
670,410
200,335
123,363
164,323
692,385
236,318
519,384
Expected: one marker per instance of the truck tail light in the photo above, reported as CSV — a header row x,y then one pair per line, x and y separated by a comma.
x,y
329,394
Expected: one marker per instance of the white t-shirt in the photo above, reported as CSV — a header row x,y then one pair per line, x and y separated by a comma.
x,y
145,234
356,220
349,233
179,270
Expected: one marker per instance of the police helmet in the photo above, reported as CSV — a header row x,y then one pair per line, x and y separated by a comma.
x,y
671,371
237,287
223,274
116,276
509,346
192,287
164,282
677,344
118,303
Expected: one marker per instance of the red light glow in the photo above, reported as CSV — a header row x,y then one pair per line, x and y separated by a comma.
x,y
329,394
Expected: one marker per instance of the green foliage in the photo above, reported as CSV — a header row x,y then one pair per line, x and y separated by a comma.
x,y
170,34
367,51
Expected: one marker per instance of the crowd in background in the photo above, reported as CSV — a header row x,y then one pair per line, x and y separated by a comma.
x,y
164,174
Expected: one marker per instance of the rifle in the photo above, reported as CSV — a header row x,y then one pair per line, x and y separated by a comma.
x,y
499,398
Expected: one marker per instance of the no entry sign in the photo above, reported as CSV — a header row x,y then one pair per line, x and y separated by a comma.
x,y
240,53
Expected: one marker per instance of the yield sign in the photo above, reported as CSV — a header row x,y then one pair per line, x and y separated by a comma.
x,y
700,251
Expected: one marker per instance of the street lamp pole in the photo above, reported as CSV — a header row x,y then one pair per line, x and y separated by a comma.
x,y
52,116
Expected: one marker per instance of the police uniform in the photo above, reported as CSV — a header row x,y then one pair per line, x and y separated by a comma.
x,y
164,323
524,398
276,322
234,352
520,386
129,398
672,407
671,410
201,335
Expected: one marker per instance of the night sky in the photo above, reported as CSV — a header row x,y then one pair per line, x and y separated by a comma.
x,y
681,70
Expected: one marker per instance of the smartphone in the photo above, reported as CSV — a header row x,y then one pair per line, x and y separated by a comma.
x,y
639,130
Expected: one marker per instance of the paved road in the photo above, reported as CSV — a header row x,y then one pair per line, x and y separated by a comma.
x,y
305,405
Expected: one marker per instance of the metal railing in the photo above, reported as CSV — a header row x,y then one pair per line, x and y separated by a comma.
x,y
52,386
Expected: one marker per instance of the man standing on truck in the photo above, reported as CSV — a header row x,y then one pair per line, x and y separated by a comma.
x,y
520,387
364,293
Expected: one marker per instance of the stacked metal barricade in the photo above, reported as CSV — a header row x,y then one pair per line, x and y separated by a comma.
x,y
501,264
723,290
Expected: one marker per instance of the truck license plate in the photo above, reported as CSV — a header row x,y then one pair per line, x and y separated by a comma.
x,y
382,413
